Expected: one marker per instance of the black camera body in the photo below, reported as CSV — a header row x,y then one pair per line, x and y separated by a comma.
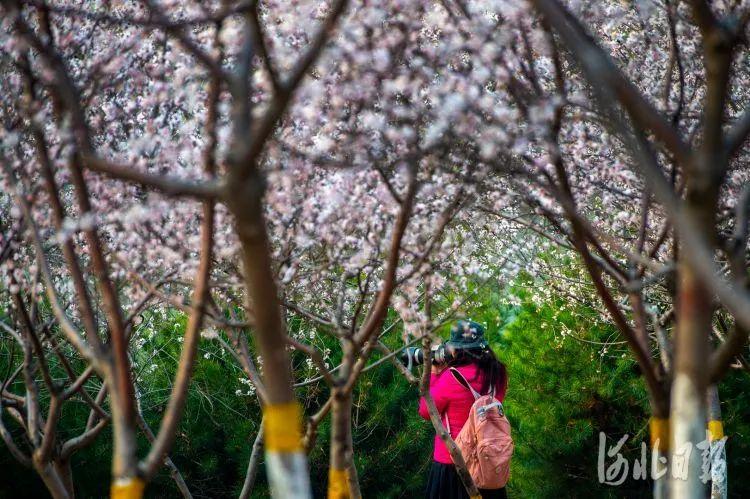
x,y
441,354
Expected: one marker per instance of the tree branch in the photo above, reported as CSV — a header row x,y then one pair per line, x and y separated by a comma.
x,y
168,185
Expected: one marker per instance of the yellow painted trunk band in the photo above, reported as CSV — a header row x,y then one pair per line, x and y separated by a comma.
x,y
659,428
127,488
715,430
338,484
476,497
282,427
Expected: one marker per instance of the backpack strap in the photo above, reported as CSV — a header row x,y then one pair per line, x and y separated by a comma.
x,y
461,379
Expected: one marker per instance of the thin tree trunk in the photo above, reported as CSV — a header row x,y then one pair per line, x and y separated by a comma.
x,y
252,465
659,400
286,462
311,433
719,480
661,484
704,174
174,471
660,436
65,472
342,475
353,475
688,414
170,421
52,480
660,423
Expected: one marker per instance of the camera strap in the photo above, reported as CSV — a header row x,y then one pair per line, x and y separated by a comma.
x,y
461,379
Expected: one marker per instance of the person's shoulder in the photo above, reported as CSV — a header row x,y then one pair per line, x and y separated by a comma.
x,y
444,376
471,373
468,369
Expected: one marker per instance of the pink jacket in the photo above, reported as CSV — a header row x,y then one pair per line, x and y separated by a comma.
x,y
454,400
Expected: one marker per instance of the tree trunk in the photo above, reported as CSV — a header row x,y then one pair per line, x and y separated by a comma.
x,y
659,400
688,414
126,482
174,471
660,460
659,427
718,449
252,466
52,480
342,480
65,472
353,475
286,462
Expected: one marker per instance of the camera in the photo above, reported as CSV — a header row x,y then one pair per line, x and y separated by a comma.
x,y
440,355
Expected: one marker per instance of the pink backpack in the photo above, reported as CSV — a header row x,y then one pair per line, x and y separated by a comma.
x,y
485,440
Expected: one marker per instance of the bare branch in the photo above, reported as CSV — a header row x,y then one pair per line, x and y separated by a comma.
x,y
84,439
165,184
252,465
737,134
314,354
8,439
178,396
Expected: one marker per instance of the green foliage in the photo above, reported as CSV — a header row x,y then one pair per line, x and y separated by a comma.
x,y
735,401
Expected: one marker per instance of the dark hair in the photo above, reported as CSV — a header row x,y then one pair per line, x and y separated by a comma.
x,y
492,370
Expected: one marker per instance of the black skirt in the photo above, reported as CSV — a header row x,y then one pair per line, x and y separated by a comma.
x,y
444,483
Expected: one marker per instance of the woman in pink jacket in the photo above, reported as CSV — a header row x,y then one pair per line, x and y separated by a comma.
x,y
473,358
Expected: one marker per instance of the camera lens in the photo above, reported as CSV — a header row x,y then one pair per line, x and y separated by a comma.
x,y
418,356
411,356
438,355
